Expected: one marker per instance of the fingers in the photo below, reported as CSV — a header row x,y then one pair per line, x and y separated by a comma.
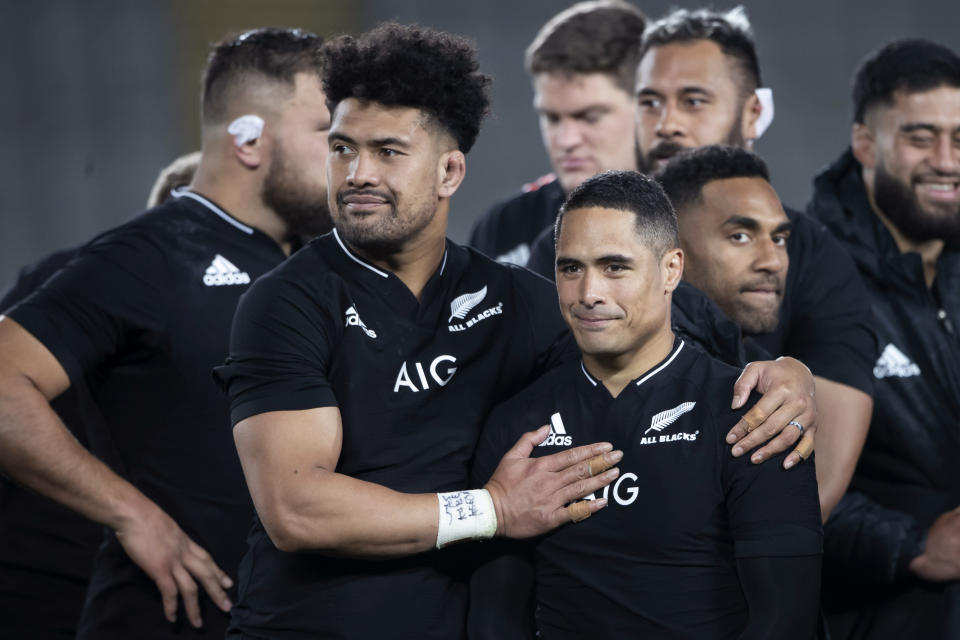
x,y
202,567
775,426
571,457
805,446
524,446
168,594
574,487
188,593
580,511
744,385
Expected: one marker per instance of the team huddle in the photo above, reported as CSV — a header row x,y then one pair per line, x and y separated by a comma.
x,y
281,403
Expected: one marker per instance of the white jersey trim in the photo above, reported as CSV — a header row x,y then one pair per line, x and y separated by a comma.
x,y
589,377
661,367
382,274
183,193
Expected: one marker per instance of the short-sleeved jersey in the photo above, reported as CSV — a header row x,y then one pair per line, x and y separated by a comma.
x,y
413,381
147,308
660,559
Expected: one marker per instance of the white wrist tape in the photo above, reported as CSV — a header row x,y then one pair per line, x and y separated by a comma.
x,y
465,515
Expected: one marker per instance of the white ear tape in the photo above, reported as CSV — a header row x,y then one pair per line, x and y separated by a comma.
x,y
245,129
765,96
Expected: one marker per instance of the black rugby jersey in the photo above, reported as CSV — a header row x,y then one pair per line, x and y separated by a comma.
x,y
659,560
413,382
147,307
507,231
825,316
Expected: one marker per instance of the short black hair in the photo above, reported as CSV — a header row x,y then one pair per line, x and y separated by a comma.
x,y
274,53
654,217
411,66
730,30
596,36
913,65
687,173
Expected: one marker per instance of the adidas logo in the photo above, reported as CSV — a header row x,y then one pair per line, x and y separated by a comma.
x,y
666,418
894,363
222,272
353,320
558,434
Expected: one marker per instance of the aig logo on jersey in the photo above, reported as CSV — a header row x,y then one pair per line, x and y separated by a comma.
x,y
441,372
463,305
558,434
222,272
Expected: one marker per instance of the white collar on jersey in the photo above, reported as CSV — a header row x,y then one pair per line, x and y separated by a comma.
x,y
646,376
382,274
184,193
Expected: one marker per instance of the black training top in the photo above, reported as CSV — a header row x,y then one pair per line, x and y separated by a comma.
x,y
147,307
414,382
659,560
825,316
507,231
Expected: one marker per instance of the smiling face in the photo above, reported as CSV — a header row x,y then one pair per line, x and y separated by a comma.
x,y
614,292
688,96
735,241
586,121
389,171
910,152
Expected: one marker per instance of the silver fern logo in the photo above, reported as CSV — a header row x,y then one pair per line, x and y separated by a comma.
x,y
666,418
462,305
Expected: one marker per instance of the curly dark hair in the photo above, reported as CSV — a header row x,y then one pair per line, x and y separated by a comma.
x,y
596,36
411,66
275,53
902,65
730,30
685,176
655,220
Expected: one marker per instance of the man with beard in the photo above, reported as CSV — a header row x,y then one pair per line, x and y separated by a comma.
x,y
893,201
697,84
582,62
145,310
361,371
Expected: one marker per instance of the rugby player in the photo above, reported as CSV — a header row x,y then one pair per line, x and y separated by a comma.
x,y
145,309
694,543
361,370
734,234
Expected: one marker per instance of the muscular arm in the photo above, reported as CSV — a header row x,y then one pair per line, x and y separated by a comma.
x,y
37,450
783,596
844,419
289,459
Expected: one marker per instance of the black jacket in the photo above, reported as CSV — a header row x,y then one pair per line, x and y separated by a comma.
x,y
908,473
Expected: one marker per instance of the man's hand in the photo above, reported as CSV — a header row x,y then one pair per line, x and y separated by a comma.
x,y
940,560
529,494
788,395
174,562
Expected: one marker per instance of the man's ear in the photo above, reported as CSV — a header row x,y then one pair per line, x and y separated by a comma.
x,y
749,117
250,154
450,173
246,137
863,142
671,266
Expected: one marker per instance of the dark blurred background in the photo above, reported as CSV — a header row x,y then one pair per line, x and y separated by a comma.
x,y
98,95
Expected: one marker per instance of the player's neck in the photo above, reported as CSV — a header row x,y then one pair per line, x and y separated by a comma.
x,y
416,262
929,250
616,372
242,199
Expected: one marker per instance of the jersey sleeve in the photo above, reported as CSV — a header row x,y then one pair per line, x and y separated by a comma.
x,y
543,254
831,317
772,511
116,287
279,351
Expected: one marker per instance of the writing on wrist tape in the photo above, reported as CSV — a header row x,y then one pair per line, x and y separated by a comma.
x,y
465,515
